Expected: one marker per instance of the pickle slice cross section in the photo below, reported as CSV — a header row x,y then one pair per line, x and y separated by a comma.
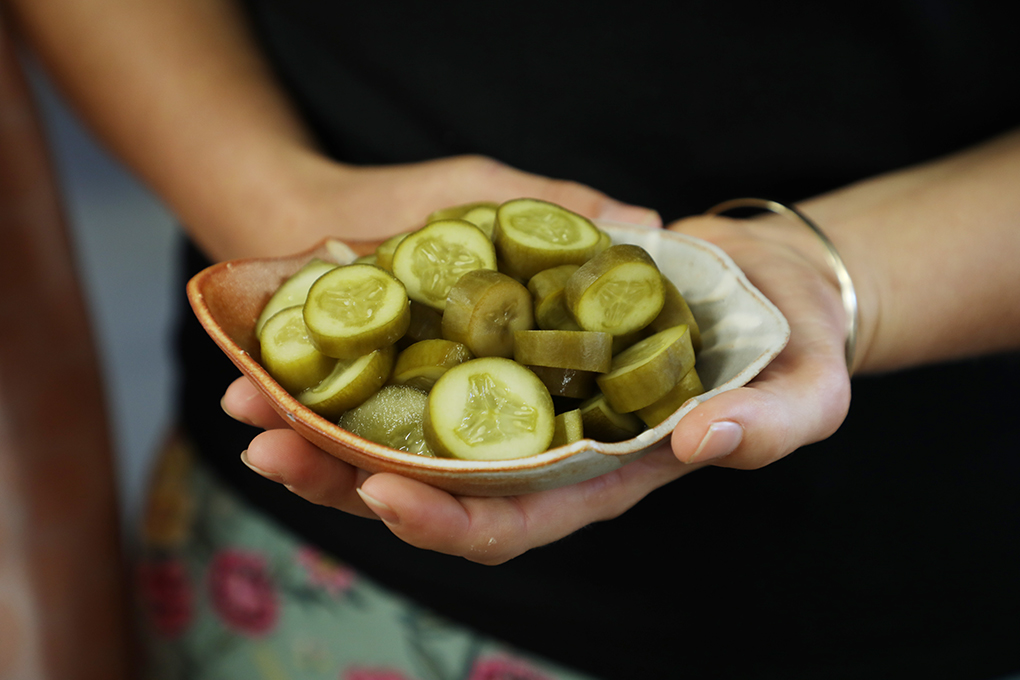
x,y
432,259
489,409
356,309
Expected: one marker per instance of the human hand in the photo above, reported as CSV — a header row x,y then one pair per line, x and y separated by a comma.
x,y
320,198
801,397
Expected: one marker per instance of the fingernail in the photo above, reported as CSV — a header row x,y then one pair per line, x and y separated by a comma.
x,y
384,511
227,411
265,473
721,440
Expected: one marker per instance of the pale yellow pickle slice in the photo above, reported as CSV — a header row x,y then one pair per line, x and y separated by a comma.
x,y
579,350
349,384
423,363
546,288
356,309
489,409
569,428
646,371
289,354
690,386
293,291
532,235
483,311
429,261
619,291
603,423
675,311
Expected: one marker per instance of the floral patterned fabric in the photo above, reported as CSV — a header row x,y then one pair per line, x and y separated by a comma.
x,y
225,593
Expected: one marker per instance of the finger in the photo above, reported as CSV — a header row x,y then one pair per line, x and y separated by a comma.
x,y
494,530
802,398
243,402
286,457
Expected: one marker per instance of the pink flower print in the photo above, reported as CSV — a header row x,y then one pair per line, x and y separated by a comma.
x,y
242,592
326,573
166,595
372,674
504,668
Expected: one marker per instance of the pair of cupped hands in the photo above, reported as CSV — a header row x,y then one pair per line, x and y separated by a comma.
x,y
801,397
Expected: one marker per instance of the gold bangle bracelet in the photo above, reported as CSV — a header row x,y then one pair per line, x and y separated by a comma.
x,y
846,285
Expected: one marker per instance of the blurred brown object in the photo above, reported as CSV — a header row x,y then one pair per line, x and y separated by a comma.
x,y
63,582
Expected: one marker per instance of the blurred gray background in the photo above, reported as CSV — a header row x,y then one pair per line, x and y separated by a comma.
x,y
126,244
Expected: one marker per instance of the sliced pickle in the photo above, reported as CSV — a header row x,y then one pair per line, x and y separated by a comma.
x,y
422,364
429,261
289,354
646,371
371,258
384,251
393,417
675,311
457,212
532,235
293,291
688,387
356,309
484,309
568,428
350,383
604,424
489,409
482,216
579,350
618,291
566,382
546,289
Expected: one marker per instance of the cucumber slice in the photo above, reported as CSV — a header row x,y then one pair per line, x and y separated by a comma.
x,y
568,428
423,363
604,424
550,305
350,383
482,216
532,235
384,251
579,350
688,387
392,417
458,212
618,291
489,409
675,311
646,371
429,261
483,311
293,291
289,354
356,309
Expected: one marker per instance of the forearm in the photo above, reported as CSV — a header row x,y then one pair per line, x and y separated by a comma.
x,y
933,252
179,91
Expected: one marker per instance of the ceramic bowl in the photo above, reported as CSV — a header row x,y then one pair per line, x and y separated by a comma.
x,y
741,333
